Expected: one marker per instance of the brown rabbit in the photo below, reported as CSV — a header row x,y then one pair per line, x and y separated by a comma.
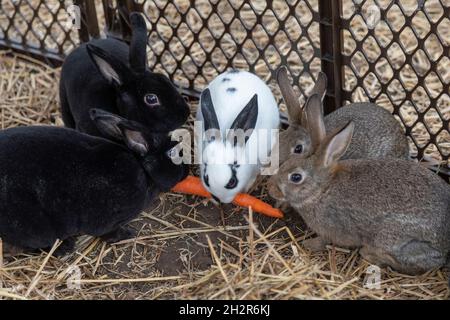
x,y
394,210
377,134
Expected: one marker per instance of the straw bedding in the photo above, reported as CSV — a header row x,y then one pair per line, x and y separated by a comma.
x,y
185,248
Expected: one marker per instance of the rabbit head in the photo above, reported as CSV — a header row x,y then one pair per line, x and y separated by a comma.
x,y
297,138
154,149
141,94
301,180
225,169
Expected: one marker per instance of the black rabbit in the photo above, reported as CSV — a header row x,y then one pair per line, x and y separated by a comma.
x,y
58,183
111,74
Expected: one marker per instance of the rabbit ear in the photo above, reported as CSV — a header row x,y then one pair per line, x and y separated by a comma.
x,y
315,121
245,123
208,112
338,145
246,120
290,97
210,121
138,46
135,141
107,123
114,126
320,88
112,69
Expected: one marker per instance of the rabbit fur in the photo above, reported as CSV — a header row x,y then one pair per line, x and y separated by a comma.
x,y
115,76
394,210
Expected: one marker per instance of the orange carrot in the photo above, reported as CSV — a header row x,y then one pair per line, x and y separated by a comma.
x,y
193,186
246,200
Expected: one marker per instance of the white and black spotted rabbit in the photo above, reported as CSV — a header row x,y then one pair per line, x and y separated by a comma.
x,y
236,100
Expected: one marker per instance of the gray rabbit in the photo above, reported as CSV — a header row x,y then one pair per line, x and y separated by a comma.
x,y
394,210
377,134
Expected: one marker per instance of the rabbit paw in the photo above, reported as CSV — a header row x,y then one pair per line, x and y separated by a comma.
x,y
65,248
316,244
120,234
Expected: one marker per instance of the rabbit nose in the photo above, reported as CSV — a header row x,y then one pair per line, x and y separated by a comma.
x,y
275,192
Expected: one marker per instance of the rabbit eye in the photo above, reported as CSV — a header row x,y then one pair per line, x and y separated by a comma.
x,y
232,183
152,100
296,178
298,149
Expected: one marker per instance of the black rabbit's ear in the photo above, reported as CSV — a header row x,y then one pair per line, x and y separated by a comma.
x,y
210,121
138,46
208,111
337,145
114,126
248,117
107,123
245,122
112,69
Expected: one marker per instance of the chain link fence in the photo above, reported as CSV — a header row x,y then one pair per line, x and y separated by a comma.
x,y
394,53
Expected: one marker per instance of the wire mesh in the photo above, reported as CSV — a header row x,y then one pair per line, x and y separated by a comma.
x,y
396,53
37,27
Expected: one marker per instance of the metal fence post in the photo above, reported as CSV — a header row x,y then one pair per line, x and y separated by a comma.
x,y
330,44
117,18
89,20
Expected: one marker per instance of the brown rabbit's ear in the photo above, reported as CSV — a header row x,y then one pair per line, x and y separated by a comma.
x,y
320,88
315,121
294,108
337,145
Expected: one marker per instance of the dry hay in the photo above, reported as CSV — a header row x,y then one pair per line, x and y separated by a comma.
x,y
250,260
28,92
184,249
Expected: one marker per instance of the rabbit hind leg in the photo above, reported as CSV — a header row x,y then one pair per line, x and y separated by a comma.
x,y
417,257
377,256
412,258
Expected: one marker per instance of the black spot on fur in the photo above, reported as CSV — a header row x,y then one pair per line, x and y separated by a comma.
x,y
226,80
234,71
234,180
231,90
206,177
